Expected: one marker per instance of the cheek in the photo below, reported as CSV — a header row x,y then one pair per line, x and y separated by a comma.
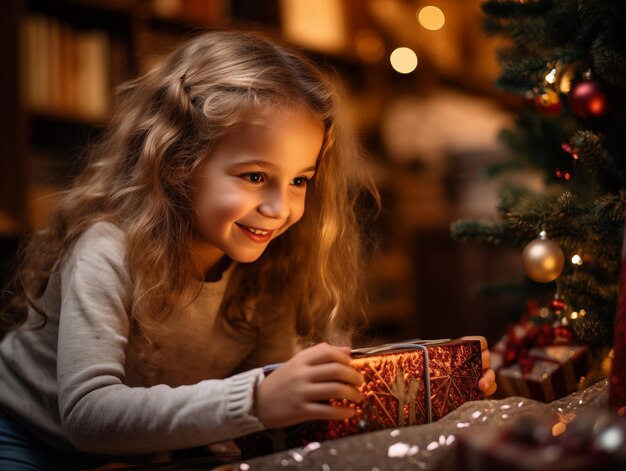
x,y
216,207
296,212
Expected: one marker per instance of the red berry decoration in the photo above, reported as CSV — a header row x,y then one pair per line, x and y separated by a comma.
x,y
587,99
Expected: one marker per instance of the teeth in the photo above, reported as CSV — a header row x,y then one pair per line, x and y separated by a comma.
x,y
257,231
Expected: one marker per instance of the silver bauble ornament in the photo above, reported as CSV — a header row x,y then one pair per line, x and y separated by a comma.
x,y
543,259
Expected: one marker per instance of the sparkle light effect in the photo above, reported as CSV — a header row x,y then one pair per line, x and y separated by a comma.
x,y
551,77
577,260
400,450
403,60
431,18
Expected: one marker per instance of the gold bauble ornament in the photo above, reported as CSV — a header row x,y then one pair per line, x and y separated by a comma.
x,y
543,259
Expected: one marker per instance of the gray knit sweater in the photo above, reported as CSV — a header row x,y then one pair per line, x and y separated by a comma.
x,y
77,382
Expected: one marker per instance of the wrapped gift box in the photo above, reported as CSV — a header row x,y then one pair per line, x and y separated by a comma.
x,y
405,384
543,373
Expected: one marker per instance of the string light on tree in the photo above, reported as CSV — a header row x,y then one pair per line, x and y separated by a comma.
x,y
547,98
577,259
543,259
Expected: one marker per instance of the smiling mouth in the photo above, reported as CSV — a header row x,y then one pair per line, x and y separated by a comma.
x,y
255,233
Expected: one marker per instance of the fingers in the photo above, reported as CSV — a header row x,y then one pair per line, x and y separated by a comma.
x,y
487,384
486,359
317,411
335,372
324,353
332,390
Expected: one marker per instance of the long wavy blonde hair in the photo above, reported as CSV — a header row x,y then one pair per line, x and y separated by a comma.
x,y
139,176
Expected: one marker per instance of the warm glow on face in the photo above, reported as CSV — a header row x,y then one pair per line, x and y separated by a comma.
x,y
403,60
431,18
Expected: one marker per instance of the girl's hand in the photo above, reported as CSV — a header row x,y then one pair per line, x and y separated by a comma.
x,y
487,384
296,391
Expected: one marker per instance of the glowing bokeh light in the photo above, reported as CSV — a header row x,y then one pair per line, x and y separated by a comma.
x,y
431,18
403,60
577,260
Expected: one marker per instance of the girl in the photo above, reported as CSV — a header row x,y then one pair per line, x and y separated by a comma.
x,y
142,314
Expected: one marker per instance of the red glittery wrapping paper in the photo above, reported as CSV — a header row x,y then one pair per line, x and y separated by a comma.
x,y
394,391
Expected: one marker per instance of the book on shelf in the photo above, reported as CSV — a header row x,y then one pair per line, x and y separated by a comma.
x,y
67,71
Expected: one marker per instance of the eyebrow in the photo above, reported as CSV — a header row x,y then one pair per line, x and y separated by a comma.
x,y
263,163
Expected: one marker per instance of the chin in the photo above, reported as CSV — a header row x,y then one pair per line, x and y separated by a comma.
x,y
245,258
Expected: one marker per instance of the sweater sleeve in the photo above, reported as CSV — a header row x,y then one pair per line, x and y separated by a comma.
x,y
99,413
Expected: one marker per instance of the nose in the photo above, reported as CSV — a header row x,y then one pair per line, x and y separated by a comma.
x,y
275,204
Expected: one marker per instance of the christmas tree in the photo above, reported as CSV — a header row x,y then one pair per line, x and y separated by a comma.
x,y
566,59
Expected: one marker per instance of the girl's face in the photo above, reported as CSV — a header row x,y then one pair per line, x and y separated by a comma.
x,y
252,187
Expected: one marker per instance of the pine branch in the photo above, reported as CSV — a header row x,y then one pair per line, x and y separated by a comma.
x,y
586,290
612,207
596,161
536,142
594,330
491,232
609,63
507,9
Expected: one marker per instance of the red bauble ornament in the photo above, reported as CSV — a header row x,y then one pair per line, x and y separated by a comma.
x,y
587,99
548,102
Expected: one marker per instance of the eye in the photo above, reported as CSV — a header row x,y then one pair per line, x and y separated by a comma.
x,y
253,177
301,181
